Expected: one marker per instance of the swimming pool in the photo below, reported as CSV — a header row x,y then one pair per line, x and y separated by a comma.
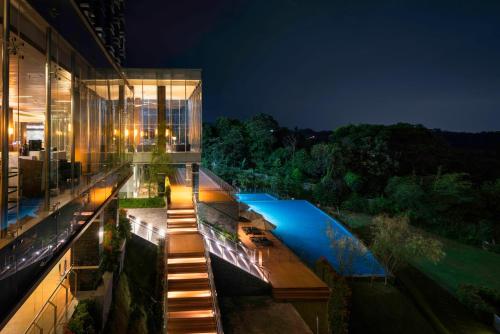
x,y
303,227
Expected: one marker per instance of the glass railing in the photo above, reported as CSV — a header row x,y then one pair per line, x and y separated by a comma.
x,y
56,312
25,258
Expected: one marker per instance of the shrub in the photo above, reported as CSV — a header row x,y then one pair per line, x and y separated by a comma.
x,y
355,203
482,301
150,202
378,205
124,227
340,299
85,319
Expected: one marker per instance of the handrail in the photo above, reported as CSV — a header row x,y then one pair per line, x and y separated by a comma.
x,y
220,182
165,287
152,230
211,281
214,291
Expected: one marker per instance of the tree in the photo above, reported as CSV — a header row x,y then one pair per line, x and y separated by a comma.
x,y
322,156
159,168
346,250
261,130
329,191
353,181
395,242
405,194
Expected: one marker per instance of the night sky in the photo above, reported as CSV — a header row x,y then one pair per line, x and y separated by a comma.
x,y
322,64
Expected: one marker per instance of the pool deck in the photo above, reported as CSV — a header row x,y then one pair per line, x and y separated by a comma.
x,y
290,278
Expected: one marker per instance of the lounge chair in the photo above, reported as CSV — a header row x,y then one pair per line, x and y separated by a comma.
x,y
261,241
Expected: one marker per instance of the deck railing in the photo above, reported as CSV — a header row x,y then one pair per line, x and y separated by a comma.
x,y
211,280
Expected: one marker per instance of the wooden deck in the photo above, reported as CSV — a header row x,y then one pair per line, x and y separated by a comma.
x,y
290,278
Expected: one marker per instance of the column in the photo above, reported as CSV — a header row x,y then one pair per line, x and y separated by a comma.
x,y
162,109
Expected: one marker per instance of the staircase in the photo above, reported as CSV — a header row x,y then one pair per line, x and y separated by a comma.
x,y
191,305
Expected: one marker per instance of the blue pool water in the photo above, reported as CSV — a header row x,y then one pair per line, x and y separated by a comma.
x,y
303,227
255,197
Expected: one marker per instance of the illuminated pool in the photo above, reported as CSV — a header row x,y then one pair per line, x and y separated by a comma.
x,y
303,227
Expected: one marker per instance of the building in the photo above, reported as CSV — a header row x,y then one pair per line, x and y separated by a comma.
x,y
72,122
108,21
76,132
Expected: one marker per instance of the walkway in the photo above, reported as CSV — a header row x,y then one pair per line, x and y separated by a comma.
x,y
290,278
191,300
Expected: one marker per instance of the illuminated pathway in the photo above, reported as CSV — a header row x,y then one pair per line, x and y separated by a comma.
x,y
191,296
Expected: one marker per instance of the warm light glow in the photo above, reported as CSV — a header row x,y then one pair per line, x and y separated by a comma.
x,y
11,130
187,260
115,132
142,133
180,211
126,133
156,132
182,230
192,314
167,132
181,220
182,276
135,132
69,127
189,294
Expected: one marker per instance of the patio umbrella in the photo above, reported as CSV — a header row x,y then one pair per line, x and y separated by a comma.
x,y
263,224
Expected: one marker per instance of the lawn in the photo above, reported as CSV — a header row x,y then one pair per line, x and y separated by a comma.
x,y
134,203
379,308
352,219
463,264
432,286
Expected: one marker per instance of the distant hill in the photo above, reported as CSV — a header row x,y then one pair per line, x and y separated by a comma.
x,y
489,141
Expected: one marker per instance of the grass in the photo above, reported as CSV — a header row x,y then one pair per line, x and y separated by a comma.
x,y
379,308
463,264
433,286
352,219
134,203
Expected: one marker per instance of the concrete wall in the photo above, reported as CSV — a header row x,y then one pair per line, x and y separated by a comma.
x,y
233,281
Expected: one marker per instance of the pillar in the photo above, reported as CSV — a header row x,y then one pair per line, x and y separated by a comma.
x,y
162,125
4,180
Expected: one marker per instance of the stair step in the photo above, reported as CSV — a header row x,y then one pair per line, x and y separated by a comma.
x,y
181,220
189,304
177,295
187,269
187,276
182,230
201,313
189,285
180,211
186,257
190,325
177,225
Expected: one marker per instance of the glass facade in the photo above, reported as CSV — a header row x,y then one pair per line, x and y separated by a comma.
x,y
69,128
167,110
64,135
61,104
